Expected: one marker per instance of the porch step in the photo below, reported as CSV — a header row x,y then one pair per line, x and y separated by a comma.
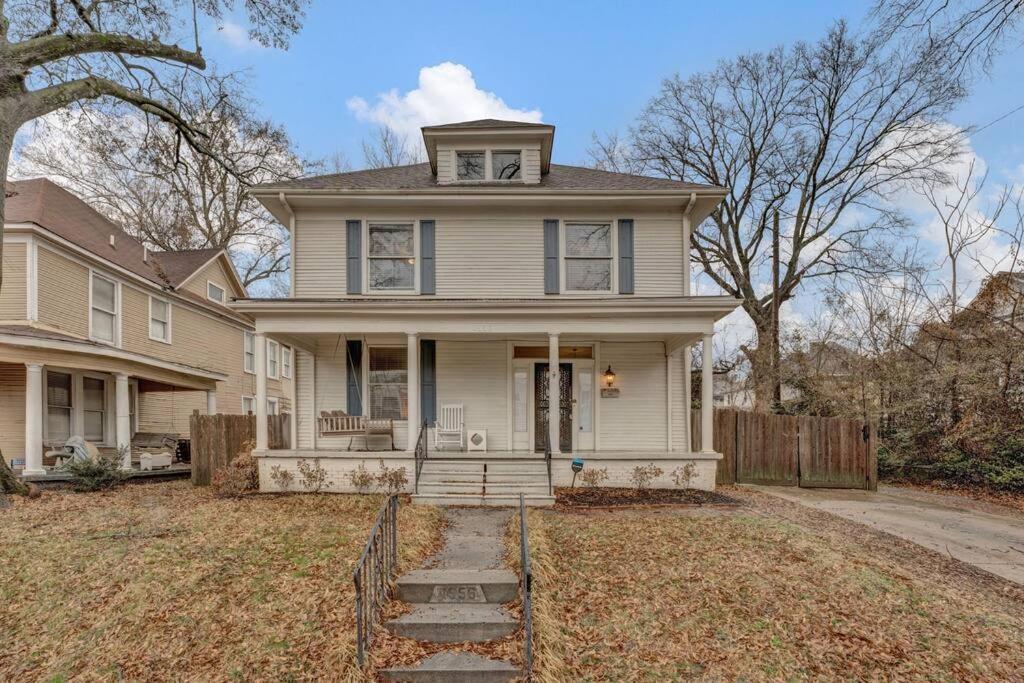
x,y
460,667
489,500
478,477
494,586
454,623
463,488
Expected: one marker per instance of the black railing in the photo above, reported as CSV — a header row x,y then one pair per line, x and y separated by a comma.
x,y
420,454
374,575
547,459
527,588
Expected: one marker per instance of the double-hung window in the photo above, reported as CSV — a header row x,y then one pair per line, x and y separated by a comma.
x,y
388,383
58,407
286,362
159,320
273,359
248,405
94,408
249,353
588,257
103,316
391,256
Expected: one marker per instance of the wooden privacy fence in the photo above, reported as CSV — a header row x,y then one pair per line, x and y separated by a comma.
x,y
217,439
787,450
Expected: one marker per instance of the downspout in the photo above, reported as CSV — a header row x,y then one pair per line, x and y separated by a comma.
x,y
291,231
686,359
686,242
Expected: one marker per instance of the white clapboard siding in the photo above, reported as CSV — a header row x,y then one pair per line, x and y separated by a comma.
x,y
531,166
305,424
445,165
679,425
497,256
658,248
636,420
318,254
475,374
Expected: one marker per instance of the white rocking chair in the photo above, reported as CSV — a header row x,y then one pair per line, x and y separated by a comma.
x,y
449,430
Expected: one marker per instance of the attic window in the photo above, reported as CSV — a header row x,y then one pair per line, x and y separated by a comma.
x,y
470,165
215,292
505,165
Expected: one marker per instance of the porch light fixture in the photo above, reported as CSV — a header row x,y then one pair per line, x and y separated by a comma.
x,y
609,377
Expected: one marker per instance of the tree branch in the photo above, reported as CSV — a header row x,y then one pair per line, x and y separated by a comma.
x,y
47,48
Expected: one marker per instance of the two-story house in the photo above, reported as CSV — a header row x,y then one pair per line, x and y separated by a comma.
x,y
103,339
534,308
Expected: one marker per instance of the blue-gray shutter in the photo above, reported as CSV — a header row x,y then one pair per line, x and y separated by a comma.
x,y
354,253
626,256
354,368
428,283
551,284
428,380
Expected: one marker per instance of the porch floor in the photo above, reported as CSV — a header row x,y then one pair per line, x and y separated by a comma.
x,y
54,476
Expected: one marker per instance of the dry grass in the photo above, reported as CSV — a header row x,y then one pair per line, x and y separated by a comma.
x,y
165,581
643,595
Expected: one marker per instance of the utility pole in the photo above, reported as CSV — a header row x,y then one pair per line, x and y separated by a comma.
x,y
776,351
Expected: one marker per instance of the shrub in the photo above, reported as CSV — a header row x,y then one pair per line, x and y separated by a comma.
x,y
241,475
313,475
594,477
361,478
683,476
282,478
644,475
391,480
96,475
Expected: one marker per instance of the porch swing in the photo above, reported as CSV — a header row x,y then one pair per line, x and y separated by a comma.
x,y
340,423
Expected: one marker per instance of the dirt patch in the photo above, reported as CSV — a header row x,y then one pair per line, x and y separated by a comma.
x,y
610,497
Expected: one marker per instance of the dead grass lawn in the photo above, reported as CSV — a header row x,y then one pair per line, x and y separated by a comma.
x,y
164,581
659,595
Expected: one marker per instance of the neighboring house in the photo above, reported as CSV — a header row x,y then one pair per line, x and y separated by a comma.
x,y
465,281
103,339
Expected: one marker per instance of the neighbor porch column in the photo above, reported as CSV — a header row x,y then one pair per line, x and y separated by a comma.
x,y
211,402
554,412
33,419
261,392
123,420
707,398
413,391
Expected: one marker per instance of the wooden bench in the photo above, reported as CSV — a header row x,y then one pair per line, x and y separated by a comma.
x,y
352,426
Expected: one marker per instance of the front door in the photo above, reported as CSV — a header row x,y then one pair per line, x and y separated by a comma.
x,y
541,378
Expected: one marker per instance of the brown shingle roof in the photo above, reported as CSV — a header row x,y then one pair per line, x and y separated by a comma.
x,y
420,177
177,266
489,123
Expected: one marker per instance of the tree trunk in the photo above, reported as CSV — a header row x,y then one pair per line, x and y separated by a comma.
x,y
8,482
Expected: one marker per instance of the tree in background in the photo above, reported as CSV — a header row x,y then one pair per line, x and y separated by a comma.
x,y
388,148
56,53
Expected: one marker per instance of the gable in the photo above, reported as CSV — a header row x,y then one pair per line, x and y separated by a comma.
x,y
219,271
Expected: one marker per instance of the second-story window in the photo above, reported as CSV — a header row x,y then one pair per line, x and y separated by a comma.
x,y
103,317
588,257
249,352
273,359
505,165
392,256
470,165
159,320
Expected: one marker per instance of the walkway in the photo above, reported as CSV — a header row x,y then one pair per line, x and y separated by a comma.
x,y
986,536
457,597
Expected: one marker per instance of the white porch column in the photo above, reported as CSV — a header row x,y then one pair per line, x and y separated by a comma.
x,y
123,420
211,402
413,391
707,398
554,412
688,444
33,419
262,439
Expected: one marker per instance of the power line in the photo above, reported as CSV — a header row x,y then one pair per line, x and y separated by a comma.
x,y
992,123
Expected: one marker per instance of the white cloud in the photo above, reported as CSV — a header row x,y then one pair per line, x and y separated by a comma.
x,y
446,93
237,36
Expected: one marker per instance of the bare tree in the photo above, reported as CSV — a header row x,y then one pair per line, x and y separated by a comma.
x,y
822,133
389,148
55,53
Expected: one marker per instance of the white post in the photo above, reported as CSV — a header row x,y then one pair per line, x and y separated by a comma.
x,y
123,420
688,444
413,390
33,419
707,398
211,402
554,409
261,392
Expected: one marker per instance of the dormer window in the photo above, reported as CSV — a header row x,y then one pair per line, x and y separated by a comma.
x,y
471,165
505,165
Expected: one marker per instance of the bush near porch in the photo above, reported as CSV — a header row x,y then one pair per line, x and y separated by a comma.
x,y
166,581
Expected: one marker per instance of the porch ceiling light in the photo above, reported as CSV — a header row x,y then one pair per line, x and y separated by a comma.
x,y
609,377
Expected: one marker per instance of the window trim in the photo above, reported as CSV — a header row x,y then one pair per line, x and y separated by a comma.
x,y
223,291
367,352
286,368
415,289
116,342
613,258
246,336
275,357
167,322
488,164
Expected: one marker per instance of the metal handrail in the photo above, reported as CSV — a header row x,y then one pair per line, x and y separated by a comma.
x,y
547,458
375,574
527,588
420,453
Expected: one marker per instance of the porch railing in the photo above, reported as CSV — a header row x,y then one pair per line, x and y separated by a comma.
x,y
527,588
420,454
375,573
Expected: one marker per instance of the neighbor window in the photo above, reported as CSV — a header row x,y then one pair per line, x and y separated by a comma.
x,y
159,320
58,407
388,383
104,309
392,256
215,292
94,403
286,362
273,359
470,165
249,353
248,405
505,165
588,257
272,406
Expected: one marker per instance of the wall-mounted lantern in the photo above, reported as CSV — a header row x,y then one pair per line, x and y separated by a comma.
x,y
609,377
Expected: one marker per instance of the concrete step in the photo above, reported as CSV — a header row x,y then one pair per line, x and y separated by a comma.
x,y
454,623
480,500
434,475
476,488
453,667
493,586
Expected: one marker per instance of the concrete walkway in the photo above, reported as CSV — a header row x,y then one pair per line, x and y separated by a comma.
x,y
986,536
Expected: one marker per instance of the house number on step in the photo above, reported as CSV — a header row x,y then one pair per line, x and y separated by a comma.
x,y
458,593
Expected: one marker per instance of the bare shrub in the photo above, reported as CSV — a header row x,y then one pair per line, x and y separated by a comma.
x,y
594,477
644,475
240,476
683,476
391,480
361,478
282,478
313,475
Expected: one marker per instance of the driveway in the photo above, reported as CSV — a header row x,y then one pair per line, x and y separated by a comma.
x,y
986,536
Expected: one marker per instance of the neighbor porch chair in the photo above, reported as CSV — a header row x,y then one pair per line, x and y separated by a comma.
x,y
449,430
